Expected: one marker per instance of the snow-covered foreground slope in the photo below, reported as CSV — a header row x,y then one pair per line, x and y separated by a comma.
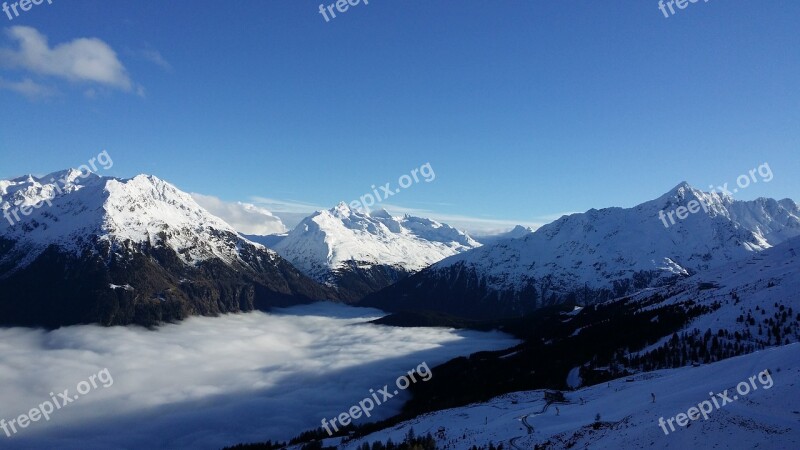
x,y
600,254
337,245
755,293
766,418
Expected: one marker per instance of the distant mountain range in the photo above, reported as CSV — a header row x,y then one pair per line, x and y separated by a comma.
x,y
104,250
595,256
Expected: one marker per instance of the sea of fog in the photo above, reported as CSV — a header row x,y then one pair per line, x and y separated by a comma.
x,y
208,382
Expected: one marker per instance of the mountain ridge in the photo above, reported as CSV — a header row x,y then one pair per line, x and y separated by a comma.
x,y
596,255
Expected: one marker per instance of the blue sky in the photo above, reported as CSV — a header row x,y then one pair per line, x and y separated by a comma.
x,y
525,109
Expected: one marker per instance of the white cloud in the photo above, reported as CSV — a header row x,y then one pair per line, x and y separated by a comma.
x,y
243,217
211,382
81,60
28,88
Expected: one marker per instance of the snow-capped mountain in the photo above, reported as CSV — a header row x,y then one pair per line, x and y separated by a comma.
x,y
360,253
84,248
597,255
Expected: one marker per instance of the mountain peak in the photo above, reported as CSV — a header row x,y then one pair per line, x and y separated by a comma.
x,y
341,239
681,190
67,176
381,213
341,210
520,229
684,184
516,232
684,193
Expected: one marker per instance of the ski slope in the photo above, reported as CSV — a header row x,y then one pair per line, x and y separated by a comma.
x,y
764,418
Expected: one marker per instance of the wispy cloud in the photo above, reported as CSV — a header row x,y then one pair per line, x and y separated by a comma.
x,y
293,206
84,60
28,88
155,57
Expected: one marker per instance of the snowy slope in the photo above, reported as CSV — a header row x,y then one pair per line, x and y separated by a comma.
x,y
340,238
764,418
762,287
602,254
